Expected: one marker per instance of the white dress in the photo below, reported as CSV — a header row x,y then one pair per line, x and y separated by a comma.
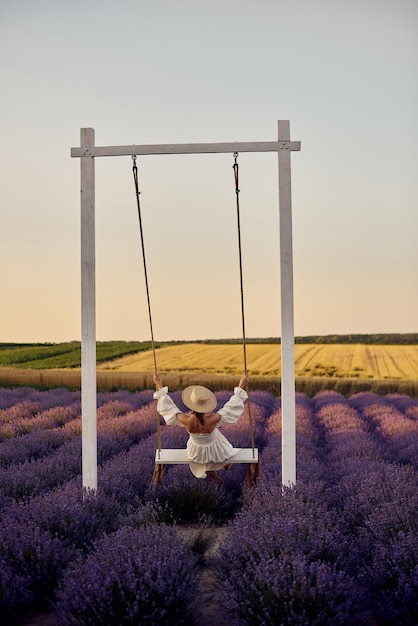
x,y
206,451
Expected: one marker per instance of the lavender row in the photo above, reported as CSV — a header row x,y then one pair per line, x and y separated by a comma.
x,y
395,430
43,466
129,575
62,459
44,534
63,396
343,547
134,576
317,558
304,561
54,408
41,400
41,538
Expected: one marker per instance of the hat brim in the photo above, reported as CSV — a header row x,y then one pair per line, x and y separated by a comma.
x,y
209,404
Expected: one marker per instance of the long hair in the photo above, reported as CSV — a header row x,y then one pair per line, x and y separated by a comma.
x,y
200,417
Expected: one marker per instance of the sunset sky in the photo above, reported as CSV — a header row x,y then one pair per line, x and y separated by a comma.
x,y
343,72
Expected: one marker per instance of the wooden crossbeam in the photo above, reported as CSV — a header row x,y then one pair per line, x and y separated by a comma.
x,y
186,148
176,456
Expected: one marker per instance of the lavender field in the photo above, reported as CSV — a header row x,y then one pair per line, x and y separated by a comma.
x,y
341,548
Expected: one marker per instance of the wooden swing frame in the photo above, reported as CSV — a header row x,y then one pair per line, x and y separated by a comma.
x,y
87,152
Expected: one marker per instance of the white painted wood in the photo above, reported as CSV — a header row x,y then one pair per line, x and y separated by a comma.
x,y
286,290
187,148
89,151
88,317
175,456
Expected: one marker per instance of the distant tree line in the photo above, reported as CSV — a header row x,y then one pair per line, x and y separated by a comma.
x,y
373,339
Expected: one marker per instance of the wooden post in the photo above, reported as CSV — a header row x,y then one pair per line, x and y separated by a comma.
x,y
88,314
286,289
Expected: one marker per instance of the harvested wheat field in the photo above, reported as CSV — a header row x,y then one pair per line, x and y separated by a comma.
x,y
335,360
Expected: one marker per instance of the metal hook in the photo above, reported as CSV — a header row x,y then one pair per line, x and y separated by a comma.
x,y
235,166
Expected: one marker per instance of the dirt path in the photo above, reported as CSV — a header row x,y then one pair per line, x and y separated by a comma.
x,y
209,610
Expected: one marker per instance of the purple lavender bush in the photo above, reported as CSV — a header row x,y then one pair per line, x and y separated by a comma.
x,y
380,520
35,477
35,473
412,412
339,549
309,442
391,578
133,425
15,420
34,561
33,445
16,596
281,562
135,399
364,399
44,399
326,397
128,476
401,401
396,432
294,592
377,504
75,516
343,548
33,409
183,498
55,416
133,577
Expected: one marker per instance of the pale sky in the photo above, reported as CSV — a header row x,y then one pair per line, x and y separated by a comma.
x,y
139,72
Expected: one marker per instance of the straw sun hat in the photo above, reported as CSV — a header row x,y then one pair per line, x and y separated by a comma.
x,y
199,399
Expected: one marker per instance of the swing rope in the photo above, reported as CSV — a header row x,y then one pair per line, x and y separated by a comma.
x,y
138,193
244,344
237,191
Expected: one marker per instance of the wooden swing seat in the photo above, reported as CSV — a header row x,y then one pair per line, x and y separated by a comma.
x,y
178,456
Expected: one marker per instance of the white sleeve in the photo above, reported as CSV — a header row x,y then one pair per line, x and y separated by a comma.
x,y
166,407
233,409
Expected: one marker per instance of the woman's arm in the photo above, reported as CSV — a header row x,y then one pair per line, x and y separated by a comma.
x,y
165,405
243,382
233,409
157,381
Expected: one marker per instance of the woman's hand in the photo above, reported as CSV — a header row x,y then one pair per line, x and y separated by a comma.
x,y
157,381
243,382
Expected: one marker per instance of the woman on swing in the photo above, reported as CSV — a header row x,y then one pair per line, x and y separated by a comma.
x,y
207,449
